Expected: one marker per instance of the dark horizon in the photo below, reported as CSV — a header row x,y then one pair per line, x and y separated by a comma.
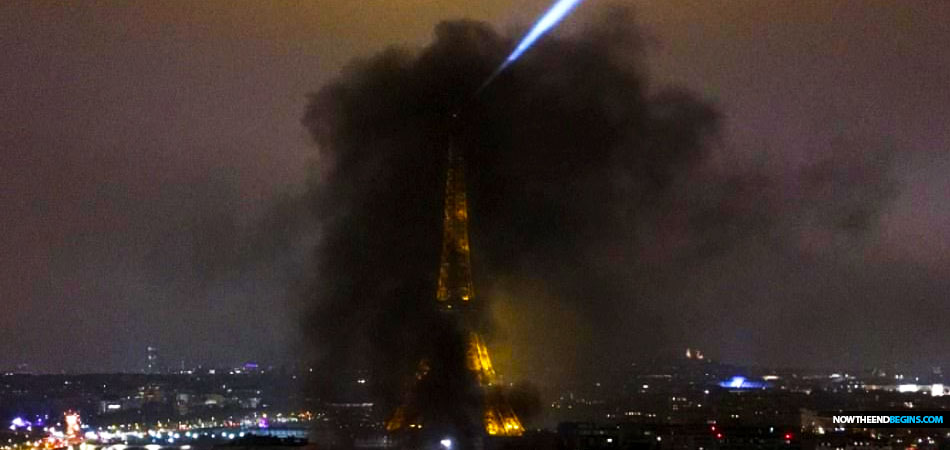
x,y
658,361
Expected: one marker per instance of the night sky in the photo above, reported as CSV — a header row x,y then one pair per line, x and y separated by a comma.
x,y
152,161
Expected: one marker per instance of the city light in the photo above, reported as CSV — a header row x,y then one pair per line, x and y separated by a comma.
x,y
740,382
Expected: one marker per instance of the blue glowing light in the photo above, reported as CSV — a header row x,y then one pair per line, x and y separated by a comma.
x,y
19,423
554,15
738,382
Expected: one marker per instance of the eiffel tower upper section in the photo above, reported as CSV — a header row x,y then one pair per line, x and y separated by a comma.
x,y
455,289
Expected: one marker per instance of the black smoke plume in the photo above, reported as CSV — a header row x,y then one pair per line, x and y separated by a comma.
x,y
607,223
563,151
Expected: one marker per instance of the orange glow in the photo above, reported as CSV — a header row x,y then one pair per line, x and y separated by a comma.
x,y
455,288
72,425
455,271
479,361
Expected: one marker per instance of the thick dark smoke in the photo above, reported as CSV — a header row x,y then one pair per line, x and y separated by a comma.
x,y
604,228
563,152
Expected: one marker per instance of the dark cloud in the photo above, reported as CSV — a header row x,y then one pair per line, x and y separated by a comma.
x,y
604,226
565,151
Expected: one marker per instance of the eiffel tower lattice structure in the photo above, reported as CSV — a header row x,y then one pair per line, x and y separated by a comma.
x,y
455,297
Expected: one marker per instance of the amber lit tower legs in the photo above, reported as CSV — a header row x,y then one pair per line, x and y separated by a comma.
x,y
455,297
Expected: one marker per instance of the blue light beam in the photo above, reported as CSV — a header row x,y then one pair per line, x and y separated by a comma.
x,y
551,18
555,14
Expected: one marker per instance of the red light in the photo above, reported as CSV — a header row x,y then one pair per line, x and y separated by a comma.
x,y
718,435
713,428
788,436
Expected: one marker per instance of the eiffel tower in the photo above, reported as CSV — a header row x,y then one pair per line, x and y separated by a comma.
x,y
455,297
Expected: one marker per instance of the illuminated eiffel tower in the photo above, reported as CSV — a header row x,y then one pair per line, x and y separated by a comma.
x,y
455,297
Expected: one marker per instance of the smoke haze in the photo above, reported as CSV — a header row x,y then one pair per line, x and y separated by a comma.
x,y
785,203
605,226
